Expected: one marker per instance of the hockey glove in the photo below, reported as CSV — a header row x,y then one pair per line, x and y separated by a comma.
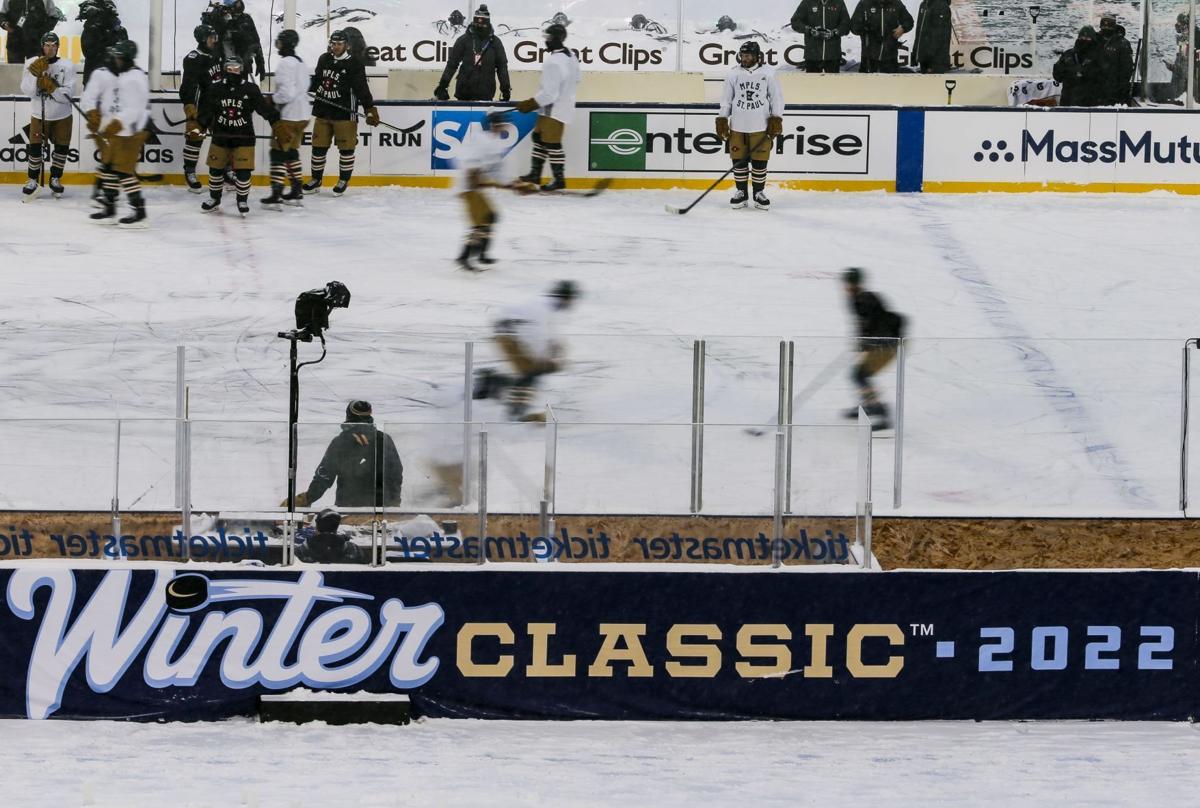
x,y
193,130
114,128
47,85
38,66
813,31
774,126
528,105
723,128
191,112
301,500
93,120
828,33
372,117
441,95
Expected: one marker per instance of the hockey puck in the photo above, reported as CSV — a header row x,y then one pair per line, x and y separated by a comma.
x,y
187,592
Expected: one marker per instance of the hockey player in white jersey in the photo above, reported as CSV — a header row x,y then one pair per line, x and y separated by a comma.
x,y
528,337
480,161
49,82
123,103
751,118
292,78
555,103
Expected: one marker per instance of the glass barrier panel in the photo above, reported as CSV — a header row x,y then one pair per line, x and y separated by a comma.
x,y
624,468
739,470
149,460
57,465
242,465
515,468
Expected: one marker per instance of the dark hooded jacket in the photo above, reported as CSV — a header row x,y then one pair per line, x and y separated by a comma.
x,y
363,462
1080,70
479,58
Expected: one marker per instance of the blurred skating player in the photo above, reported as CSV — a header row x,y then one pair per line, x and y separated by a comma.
x,y
528,338
292,78
479,162
339,86
49,82
751,117
879,331
228,113
120,111
201,67
555,104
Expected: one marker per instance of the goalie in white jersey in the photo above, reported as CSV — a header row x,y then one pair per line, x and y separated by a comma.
x,y
751,118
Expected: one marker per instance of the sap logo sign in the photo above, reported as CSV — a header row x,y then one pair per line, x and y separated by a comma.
x,y
316,635
450,128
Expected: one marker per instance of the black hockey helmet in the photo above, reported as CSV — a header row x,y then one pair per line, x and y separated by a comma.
x,y
126,50
565,291
233,64
751,47
339,36
852,276
50,38
556,35
726,23
287,40
202,32
328,521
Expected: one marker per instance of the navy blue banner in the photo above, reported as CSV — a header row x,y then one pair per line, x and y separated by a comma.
x,y
204,643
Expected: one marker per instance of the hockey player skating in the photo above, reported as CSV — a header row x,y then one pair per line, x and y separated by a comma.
x,y
292,78
201,67
528,337
555,103
49,82
228,112
339,88
117,101
751,117
879,333
479,161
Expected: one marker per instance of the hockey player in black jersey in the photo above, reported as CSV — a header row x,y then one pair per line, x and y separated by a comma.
x,y
228,112
201,68
339,88
879,334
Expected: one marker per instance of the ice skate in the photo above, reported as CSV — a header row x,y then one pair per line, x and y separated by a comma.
x,y
275,200
760,201
739,199
210,204
193,182
243,206
56,187
31,191
341,187
313,186
135,220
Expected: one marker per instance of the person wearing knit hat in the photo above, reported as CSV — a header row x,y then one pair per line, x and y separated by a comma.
x,y
1116,59
362,461
479,58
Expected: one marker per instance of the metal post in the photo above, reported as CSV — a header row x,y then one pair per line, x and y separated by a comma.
x,y
377,555
777,538
1146,16
289,14
1191,56
868,507
679,38
468,398
898,466
1185,412
699,349
187,491
116,496
546,525
791,384
483,494
156,35
180,414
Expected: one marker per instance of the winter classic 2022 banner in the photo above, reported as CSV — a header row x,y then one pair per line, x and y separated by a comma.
x,y
203,643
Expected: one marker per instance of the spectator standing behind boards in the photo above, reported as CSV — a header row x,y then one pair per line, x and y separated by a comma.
x,y
1179,66
101,30
880,23
479,57
931,42
1117,56
238,33
26,22
823,23
1080,71
362,461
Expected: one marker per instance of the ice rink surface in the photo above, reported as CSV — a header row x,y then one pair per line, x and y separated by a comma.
x,y
1042,373
500,763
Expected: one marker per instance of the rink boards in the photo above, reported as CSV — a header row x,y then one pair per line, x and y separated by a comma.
x,y
840,148
614,642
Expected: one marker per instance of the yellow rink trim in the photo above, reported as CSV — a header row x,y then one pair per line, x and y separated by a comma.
x,y
1056,187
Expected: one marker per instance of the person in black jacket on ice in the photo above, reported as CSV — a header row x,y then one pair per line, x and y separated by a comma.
x,y
879,333
479,57
227,111
362,461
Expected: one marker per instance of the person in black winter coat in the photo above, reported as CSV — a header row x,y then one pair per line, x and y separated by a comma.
x,y
479,57
1117,55
25,22
101,30
238,33
823,23
931,42
880,23
879,334
1080,71
362,461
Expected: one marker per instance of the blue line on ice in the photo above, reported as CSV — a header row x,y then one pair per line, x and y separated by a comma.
x,y
1101,452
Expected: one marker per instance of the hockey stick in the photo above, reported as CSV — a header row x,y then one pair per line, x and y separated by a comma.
x,y
356,114
811,389
720,179
95,137
42,172
583,193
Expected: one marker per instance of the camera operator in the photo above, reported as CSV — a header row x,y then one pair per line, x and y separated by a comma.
x,y
1080,71
931,43
327,545
823,23
26,22
880,23
481,56
238,34
362,461
101,30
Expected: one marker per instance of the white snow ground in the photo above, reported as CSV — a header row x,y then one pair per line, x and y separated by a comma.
x,y
500,763
1043,375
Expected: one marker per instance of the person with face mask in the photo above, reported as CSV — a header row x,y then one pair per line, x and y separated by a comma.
x,y
101,30
1116,54
479,57
880,23
823,23
555,105
1080,71
931,42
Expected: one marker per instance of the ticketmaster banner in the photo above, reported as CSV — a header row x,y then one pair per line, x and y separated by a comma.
x,y
162,642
